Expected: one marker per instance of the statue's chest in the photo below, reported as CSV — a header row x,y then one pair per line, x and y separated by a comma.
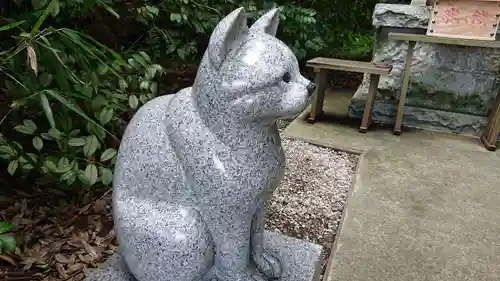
x,y
256,164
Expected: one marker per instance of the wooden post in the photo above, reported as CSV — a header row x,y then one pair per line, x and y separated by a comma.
x,y
404,89
490,135
370,101
318,96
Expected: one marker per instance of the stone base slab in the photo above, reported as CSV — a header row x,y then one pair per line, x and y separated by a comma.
x,y
300,259
422,118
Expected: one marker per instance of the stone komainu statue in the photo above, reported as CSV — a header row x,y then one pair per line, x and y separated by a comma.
x,y
195,169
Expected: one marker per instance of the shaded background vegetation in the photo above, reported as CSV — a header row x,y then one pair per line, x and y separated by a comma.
x,y
73,71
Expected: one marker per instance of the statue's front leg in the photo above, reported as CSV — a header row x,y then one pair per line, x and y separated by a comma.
x,y
266,261
230,231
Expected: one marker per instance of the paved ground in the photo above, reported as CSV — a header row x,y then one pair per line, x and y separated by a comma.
x,y
424,206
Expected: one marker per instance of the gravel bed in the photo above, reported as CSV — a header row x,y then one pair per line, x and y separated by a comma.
x,y
309,203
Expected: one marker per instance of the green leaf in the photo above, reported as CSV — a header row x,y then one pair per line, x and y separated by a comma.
x,y
63,162
90,146
106,115
37,143
48,110
99,101
63,168
145,56
55,133
133,102
33,157
91,174
92,129
175,17
103,69
106,175
87,90
76,142
5,227
144,85
13,166
11,25
46,136
74,133
7,150
123,85
56,8
69,177
24,129
45,79
108,154
140,60
30,124
133,64
8,243
152,9
150,73
50,165
83,177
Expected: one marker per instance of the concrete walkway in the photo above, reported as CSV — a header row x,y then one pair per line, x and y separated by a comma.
x,y
424,206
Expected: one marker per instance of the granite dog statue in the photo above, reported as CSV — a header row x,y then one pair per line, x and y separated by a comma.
x,y
195,169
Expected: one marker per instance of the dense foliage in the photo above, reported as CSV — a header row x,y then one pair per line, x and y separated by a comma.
x,y
73,71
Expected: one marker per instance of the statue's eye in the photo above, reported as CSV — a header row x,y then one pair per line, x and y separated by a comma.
x,y
287,77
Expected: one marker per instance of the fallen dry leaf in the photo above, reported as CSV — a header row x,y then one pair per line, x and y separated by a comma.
x,y
60,242
8,258
88,248
100,206
60,270
75,267
60,258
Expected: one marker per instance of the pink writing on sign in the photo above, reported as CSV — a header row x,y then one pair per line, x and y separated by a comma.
x,y
478,17
449,16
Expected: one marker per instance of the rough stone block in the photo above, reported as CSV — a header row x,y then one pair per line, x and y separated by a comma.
x,y
300,259
451,87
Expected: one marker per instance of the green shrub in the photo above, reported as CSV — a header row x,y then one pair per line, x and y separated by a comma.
x,y
70,98
73,72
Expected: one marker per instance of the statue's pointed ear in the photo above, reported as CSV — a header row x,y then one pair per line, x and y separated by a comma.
x,y
267,23
227,36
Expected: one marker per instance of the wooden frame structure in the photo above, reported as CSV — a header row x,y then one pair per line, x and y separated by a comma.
x,y
489,137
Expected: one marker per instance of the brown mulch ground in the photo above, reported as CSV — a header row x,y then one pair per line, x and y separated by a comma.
x,y
57,239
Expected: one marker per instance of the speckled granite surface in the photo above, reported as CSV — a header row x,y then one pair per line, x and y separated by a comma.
x,y
300,261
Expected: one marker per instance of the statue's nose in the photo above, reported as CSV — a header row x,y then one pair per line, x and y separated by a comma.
x,y
310,88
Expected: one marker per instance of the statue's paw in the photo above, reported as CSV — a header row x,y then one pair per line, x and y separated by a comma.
x,y
268,264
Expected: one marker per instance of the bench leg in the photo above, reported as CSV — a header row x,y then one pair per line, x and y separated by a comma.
x,y
404,89
318,96
370,101
490,135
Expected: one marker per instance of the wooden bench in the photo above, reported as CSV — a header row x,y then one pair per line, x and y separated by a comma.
x,y
322,65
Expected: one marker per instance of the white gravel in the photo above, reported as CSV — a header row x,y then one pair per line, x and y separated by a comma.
x,y
309,203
